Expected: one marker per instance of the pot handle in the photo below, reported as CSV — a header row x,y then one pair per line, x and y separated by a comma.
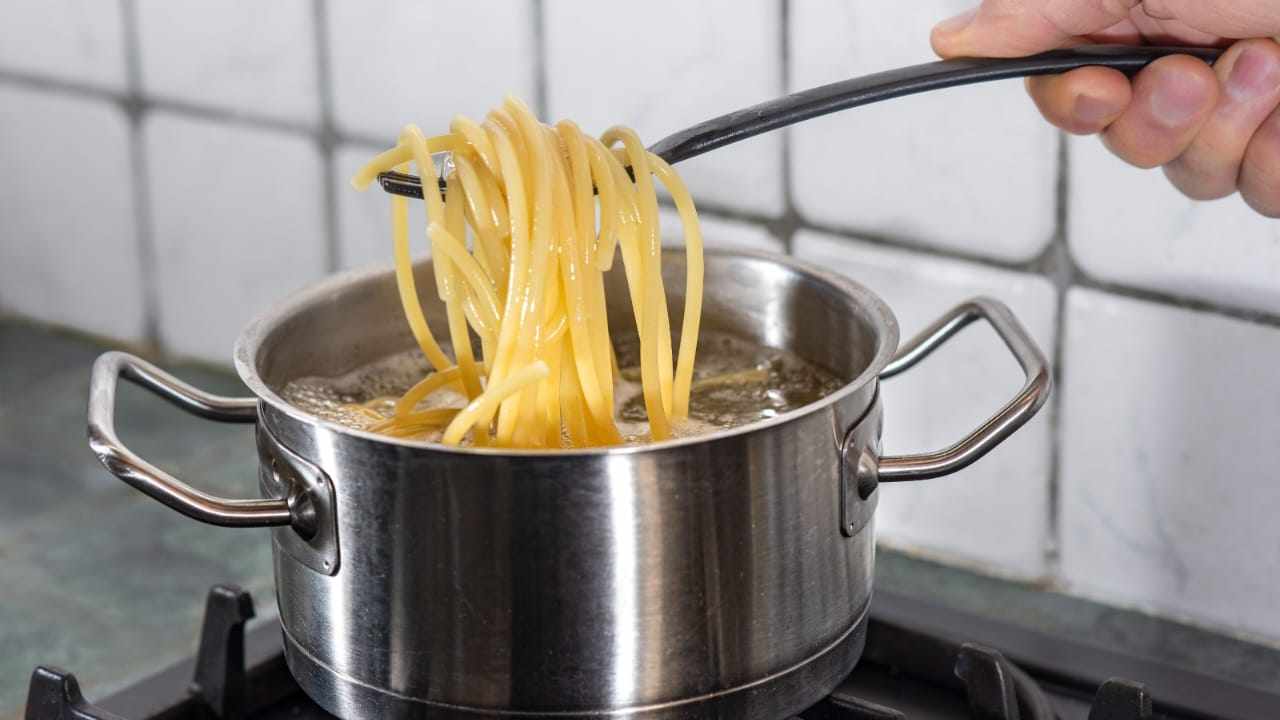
x,y
871,470
161,486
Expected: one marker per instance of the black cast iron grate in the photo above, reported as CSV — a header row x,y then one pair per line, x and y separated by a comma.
x,y
981,682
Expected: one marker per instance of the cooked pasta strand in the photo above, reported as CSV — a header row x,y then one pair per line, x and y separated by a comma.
x,y
531,219
482,408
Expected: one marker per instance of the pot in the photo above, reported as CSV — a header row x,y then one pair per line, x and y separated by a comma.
x,y
725,575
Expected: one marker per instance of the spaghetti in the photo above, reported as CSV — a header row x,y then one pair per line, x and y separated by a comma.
x,y
532,218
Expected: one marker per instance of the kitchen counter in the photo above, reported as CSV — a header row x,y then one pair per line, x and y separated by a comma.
x,y
104,582
96,577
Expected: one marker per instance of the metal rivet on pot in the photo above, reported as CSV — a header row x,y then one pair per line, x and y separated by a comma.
x,y
303,508
868,474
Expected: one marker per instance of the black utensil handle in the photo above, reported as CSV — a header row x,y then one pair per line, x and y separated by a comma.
x,y
827,99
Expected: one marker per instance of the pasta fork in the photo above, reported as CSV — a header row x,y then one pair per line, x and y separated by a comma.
x,y
868,89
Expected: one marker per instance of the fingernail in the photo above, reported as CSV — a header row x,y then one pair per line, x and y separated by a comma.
x,y
1092,111
1177,97
957,23
1254,74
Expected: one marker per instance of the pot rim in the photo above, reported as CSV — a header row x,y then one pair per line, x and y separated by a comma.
x,y
252,337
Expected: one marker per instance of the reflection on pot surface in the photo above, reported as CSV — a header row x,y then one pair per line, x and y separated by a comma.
x,y
726,574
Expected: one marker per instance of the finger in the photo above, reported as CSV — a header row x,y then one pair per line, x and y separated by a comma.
x,y
1171,31
1124,32
1172,99
1083,101
1227,18
1249,75
1012,28
1260,172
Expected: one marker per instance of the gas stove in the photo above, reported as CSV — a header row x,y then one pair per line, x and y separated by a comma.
x,y
922,661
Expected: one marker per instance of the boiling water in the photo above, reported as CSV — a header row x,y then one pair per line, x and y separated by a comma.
x,y
735,382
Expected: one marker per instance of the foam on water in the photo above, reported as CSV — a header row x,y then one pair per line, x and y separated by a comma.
x,y
736,382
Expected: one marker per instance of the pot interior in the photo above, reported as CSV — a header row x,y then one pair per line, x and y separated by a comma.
x,y
354,319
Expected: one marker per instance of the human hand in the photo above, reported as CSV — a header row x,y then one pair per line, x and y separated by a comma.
x,y
1214,130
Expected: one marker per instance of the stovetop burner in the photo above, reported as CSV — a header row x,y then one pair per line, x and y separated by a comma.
x,y
917,664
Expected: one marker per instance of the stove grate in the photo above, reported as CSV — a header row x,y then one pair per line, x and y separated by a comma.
x,y
980,682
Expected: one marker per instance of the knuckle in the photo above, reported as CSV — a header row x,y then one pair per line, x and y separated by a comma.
x,y
1118,8
1265,204
1129,152
1198,183
1260,171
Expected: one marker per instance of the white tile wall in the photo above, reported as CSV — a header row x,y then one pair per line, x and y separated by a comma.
x,y
668,65
1167,442
971,169
364,218
1130,226
719,233
995,512
1170,488
398,61
77,40
215,53
364,222
230,238
68,253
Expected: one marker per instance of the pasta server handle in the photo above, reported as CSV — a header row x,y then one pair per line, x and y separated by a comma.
x,y
827,99
846,94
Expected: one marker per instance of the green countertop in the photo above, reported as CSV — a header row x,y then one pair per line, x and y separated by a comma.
x,y
95,577
100,580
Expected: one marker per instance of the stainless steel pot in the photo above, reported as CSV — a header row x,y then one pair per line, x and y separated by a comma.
x,y
721,576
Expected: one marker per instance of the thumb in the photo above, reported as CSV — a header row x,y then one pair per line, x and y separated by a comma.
x,y
1013,28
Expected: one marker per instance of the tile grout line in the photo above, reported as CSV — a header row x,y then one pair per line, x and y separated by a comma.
x,y
1061,271
785,228
916,246
135,110
251,121
1178,302
41,83
326,138
44,83
539,30
779,226
1079,278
